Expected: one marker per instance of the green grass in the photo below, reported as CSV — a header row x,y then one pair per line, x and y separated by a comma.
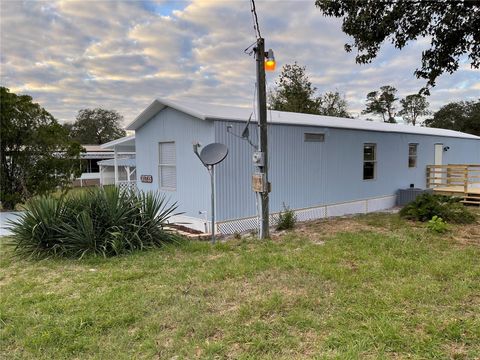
x,y
381,288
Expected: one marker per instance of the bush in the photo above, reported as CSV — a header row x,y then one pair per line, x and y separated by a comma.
x,y
102,222
426,206
286,219
436,224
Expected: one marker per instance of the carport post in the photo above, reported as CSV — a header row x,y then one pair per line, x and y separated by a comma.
x,y
115,165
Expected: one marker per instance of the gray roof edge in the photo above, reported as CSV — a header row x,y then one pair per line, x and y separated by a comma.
x,y
454,133
159,104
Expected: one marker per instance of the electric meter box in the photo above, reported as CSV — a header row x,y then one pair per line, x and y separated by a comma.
x,y
258,158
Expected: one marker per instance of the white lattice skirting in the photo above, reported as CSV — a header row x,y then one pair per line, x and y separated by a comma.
x,y
127,185
312,213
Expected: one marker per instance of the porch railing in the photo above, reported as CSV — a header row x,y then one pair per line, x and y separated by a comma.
x,y
457,179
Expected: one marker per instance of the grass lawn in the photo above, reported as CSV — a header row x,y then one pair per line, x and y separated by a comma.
x,y
367,287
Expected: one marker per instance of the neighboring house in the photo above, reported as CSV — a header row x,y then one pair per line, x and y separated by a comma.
x,y
90,158
120,169
319,166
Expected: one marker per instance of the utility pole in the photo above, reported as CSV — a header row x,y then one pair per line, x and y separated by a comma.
x,y
263,142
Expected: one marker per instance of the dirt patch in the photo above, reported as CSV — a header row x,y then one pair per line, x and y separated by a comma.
x,y
467,234
320,229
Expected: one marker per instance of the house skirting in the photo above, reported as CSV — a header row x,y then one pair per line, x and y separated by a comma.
x,y
312,213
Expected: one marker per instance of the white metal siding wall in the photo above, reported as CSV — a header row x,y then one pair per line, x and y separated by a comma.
x,y
192,180
327,173
297,170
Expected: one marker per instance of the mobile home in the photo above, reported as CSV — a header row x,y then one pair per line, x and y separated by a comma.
x,y
318,165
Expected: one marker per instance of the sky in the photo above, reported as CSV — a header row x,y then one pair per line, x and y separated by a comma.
x,y
121,55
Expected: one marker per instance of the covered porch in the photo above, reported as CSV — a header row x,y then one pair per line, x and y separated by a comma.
x,y
121,170
461,180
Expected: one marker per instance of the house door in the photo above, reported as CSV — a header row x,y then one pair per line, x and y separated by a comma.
x,y
438,154
438,161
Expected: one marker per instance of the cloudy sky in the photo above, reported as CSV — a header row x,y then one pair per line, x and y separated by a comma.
x,y
71,55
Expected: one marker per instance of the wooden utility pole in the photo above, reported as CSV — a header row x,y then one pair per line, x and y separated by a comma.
x,y
263,142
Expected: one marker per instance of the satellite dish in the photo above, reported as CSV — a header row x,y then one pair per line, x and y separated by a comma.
x,y
213,154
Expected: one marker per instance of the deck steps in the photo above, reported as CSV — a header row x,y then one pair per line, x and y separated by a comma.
x,y
471,199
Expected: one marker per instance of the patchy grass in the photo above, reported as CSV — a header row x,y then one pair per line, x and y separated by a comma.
x,y
366,287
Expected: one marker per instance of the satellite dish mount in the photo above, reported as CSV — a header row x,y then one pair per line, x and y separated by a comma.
x,y
211,155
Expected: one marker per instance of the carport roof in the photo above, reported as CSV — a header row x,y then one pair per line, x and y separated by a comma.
x,y
124,144
120,162
206,111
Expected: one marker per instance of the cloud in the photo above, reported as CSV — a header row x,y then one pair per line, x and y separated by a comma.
x,y
71,55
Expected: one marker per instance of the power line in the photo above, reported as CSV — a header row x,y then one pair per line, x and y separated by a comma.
x,y
255,19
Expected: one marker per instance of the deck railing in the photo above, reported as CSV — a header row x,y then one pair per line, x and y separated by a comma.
x,y
455,179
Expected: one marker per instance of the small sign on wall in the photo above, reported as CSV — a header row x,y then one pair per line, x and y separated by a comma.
x,y
146,178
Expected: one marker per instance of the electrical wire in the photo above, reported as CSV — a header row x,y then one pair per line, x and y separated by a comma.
x,y
255,19
250,49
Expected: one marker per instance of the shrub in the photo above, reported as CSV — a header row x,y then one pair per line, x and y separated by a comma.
x,y
426,206
437,224
102,222
286,219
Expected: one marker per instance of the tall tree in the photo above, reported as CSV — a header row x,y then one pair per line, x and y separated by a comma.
x,y
451,25
294,92
97,126
382,103
413,106
35,150
333,104
460,116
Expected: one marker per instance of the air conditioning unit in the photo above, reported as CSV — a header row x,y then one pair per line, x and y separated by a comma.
x,y
406,196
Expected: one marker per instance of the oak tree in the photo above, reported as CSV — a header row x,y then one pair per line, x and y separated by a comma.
x,y
460,116
452,26
382,103
36,153
97,126
413,106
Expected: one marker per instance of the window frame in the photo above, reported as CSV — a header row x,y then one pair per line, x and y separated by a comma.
x,y
160,165
415,156
374,161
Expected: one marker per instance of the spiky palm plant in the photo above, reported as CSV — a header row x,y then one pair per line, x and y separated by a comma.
x,y
104,222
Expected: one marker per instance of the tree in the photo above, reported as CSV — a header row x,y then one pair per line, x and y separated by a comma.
x,y
451,25
459,116
294,92
413,106
382,103
97,126
333,104
35,150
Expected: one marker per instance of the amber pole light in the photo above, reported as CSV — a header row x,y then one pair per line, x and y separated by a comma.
x,y
270,61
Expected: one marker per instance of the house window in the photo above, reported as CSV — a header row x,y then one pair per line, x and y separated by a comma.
x,y
369,161
314,137
412,155
167,168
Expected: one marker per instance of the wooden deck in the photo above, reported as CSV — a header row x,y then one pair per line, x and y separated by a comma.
x,y
461,180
